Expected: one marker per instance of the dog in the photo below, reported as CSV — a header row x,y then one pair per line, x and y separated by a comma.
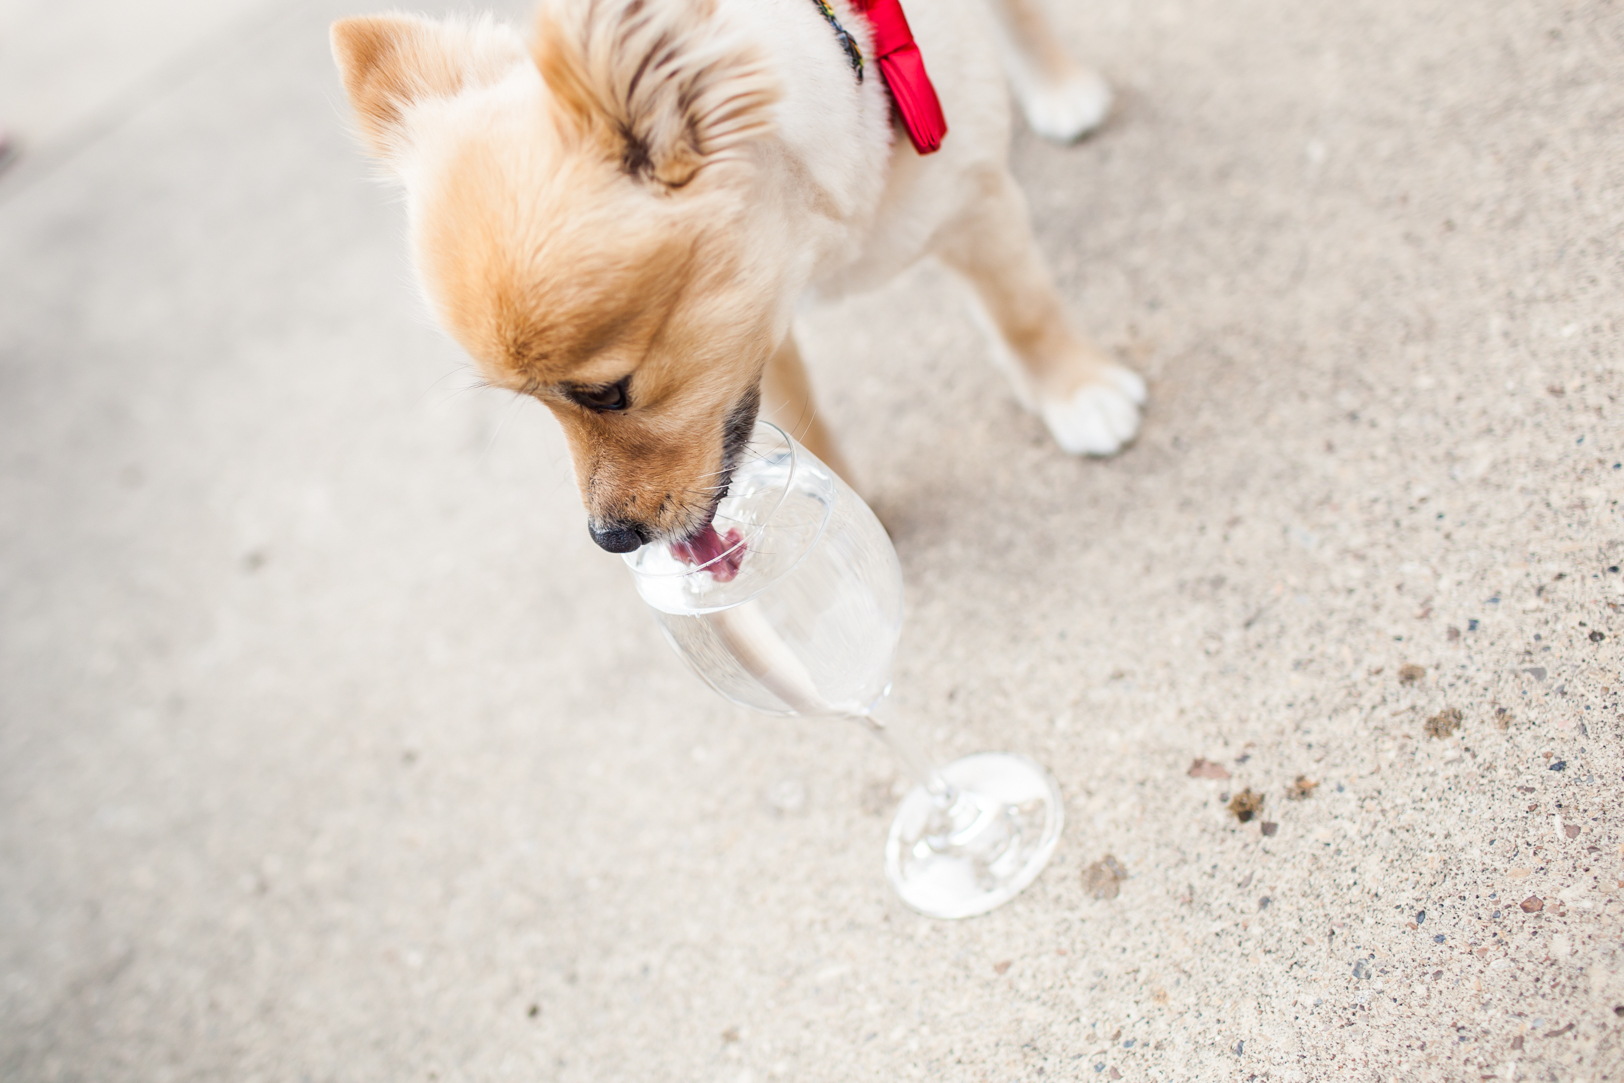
x,y
619,213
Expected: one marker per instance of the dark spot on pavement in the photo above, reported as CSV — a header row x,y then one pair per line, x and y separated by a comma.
x,y
1246,804
1103,879
1201,768
1410,673
1304,787
1444,723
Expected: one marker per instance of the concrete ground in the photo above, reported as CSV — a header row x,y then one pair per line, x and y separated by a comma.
x,y
330,749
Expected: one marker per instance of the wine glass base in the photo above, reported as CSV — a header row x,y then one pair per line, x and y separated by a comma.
x,y
994,848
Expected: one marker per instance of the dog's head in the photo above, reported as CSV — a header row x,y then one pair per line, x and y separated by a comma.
x,y
581,218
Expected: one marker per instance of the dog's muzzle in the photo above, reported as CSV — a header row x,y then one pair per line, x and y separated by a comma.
x,y
625,535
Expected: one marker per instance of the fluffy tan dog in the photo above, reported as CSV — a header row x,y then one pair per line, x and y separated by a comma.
x,y
619,215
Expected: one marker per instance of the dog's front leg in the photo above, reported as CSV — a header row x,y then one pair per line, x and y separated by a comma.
x,y
1090,403
786,396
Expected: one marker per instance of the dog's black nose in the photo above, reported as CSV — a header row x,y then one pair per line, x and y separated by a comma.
x,y
616,537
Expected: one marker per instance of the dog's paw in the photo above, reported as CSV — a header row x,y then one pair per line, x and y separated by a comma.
x,y
1067,111
1099,417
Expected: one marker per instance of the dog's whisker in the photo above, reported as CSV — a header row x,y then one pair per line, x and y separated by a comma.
x,y
501,423
442,378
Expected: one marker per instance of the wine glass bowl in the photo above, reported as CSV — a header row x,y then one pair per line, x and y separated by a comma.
x,y
793,606
812,570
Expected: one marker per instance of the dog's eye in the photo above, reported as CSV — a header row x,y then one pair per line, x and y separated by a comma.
x,y
601,397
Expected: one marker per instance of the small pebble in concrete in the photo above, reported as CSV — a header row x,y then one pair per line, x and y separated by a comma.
x,y
1269,828
1444,723
1597,637
1201,768
1420,917
1301,789
1246,804
1533,904
1103,879
1409,673
1001,968
1559,765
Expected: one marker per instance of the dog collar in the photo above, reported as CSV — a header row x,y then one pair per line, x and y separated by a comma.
x,y
901,65
853,54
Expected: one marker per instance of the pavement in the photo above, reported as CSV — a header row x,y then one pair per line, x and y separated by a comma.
x,y
331,749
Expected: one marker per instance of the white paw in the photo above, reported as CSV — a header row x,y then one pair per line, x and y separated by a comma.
x,y
1067,111
1099,417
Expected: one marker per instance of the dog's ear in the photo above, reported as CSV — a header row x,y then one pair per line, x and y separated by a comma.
x,y
657,83
391,62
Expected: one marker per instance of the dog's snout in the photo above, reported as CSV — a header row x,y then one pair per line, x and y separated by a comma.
x,y
616,537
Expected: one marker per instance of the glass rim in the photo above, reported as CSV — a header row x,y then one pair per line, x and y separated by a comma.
x,y
755,532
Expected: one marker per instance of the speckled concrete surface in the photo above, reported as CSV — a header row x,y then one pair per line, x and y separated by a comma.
x,y
331,749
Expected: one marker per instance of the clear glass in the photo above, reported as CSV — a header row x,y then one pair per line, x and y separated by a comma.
x,y
793,607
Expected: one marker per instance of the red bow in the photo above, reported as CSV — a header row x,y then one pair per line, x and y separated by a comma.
x,y
904,71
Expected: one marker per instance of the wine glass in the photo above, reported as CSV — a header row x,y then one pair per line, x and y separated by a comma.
x,y
791,603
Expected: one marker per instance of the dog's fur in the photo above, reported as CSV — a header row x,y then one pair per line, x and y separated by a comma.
x,y
645,189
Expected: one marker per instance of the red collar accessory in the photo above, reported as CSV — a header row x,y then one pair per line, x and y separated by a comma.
x,y
902,67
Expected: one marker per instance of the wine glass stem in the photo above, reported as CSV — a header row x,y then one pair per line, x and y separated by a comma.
x,y
905,746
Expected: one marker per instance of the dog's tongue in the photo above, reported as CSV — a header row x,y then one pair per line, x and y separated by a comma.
x,y
707,545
